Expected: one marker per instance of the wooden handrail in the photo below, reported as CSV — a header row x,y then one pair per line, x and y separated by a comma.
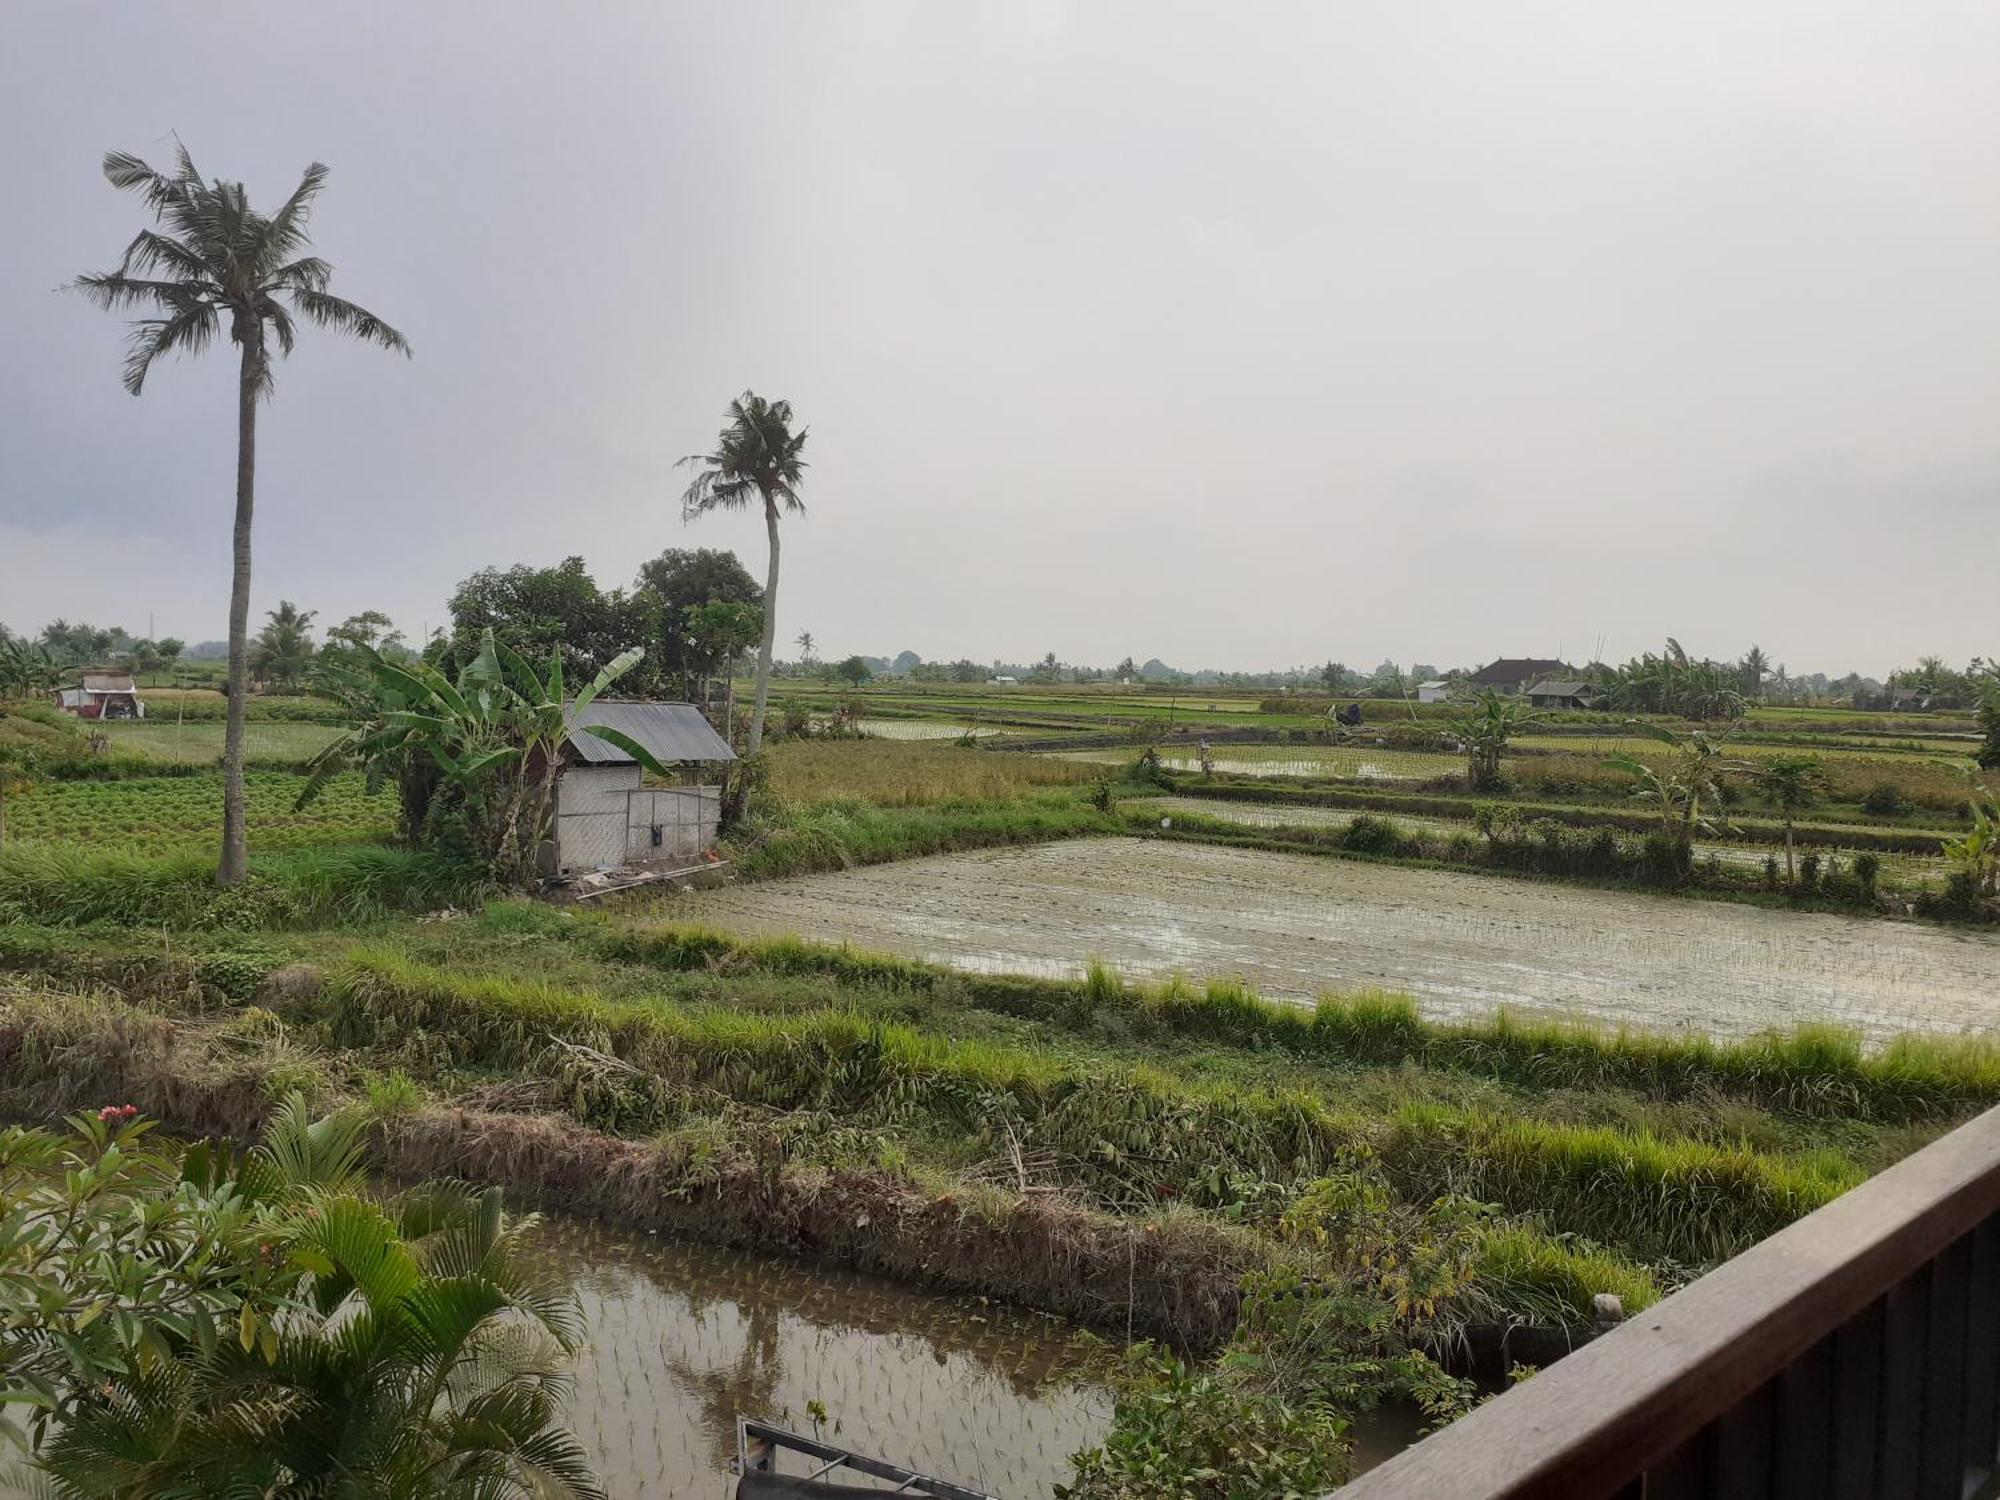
x,y
1833,1347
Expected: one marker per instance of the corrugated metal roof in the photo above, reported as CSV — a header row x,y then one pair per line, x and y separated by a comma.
x,y
107,682
1560,690
671,731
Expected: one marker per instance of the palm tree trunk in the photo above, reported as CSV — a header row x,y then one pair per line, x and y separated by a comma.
x,y
1790,874
235,842
770,631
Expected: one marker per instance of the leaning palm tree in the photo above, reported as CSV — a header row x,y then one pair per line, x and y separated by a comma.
x,y
756,457
214,257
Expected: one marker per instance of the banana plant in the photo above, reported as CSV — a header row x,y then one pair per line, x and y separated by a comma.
x,y
1689,785
1976,854
486,747
1484,731
26,669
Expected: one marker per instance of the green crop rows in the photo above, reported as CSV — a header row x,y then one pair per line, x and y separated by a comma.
x,y
158,814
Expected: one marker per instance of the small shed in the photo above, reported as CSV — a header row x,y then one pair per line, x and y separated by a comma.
x,y
103,695
1433,692
1558,693
607,817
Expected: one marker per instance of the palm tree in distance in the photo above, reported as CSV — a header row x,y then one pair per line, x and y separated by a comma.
x,y
756,457
805,648
214,257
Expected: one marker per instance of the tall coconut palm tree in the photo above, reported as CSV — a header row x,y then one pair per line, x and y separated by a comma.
x,y
756,457
215,258
284,648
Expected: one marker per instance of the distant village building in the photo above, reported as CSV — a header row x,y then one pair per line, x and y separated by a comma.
x,y
1433,692
607,817
1511,675
104,695
1558,693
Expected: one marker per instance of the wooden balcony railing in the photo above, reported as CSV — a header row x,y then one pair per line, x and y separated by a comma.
x,y
1854,1355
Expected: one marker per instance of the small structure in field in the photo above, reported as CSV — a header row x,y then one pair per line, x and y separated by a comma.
x,y
1433,692
607,817
103,695
1510,675
1559,693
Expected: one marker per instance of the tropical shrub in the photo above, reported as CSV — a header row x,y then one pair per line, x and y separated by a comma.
x,y
210,1322
1885,800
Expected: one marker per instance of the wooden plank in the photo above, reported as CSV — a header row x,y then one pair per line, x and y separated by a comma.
x,y
1746,1446
1941,1467
1857,1402
1617,1407
1904,1330
1805,1426
1686,1473
1982,1349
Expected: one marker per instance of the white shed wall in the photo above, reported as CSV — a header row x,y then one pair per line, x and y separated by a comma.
x,y
591,815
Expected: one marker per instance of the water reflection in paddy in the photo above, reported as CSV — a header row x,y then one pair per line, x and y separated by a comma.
x,y
684,1337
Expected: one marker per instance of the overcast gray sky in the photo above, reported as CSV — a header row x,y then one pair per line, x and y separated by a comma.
x,y
1243,335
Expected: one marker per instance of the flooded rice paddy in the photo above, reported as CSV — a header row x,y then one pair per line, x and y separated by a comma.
x,y
1295,760
1296,926
682,1338
921,729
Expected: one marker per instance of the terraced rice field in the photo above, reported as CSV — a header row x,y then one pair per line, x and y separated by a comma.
x,y
1297,926
921,729
1899,871
1296,760
1640,745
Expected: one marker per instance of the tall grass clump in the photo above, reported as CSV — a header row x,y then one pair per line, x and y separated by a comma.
x,y
1123,1135
1817,1070
1674,1200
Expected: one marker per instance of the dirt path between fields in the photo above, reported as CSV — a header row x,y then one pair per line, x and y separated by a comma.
x,y
1295,926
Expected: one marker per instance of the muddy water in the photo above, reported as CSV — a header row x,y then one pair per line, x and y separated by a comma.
x,y
683,1337
1295,926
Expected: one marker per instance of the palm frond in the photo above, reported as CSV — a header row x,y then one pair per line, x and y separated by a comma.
x,y
325,1153
308,271
285,231
115,290
281,325
153,251
191,330
342,316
